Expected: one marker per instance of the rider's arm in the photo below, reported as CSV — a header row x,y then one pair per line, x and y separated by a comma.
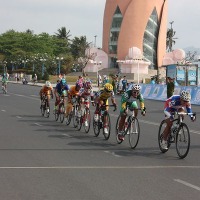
x,y
141,99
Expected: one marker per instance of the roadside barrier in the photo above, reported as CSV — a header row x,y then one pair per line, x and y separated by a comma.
x,y
159,92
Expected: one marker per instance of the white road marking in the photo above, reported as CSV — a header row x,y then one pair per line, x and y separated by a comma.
x,y
67,135
37,124
18,117
104,167
112,153
187,184
3,110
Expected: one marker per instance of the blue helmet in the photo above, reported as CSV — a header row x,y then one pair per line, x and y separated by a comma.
x,y
63,82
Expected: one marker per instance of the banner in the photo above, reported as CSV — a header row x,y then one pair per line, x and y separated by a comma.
x,y
159,92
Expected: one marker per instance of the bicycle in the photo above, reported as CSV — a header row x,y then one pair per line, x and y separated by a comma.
x,y
4,89
85,118
61,110
103,122
44,109
73,114
131,128
179,134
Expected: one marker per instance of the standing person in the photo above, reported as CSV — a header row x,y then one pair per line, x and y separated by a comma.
x,y
170,87
124,84
99,81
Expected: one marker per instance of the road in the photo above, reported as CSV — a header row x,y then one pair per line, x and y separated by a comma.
x,y
41,159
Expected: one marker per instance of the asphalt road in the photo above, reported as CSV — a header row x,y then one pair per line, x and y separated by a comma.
x,y
41,159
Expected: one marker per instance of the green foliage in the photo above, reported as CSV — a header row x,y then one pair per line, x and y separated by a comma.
x,y
25,51
46,76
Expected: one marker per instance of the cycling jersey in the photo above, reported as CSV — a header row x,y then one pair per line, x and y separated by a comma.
x,y
86,93
60,88
46,90
72,91
102,95
4,81
128,100
173,104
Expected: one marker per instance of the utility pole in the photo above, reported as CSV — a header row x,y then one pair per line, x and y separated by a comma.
x,y
95,40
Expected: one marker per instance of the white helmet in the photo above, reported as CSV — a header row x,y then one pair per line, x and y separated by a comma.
x,y
185,96
136,87
48,84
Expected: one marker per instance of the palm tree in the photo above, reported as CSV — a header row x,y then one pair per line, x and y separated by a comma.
x,y
63,34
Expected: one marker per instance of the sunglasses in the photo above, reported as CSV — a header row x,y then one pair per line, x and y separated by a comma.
x,y
136,92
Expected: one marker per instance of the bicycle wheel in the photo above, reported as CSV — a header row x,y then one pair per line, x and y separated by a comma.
x,y
134,132
106,124
96,127
182,141
47,114
43,108
62,112
162,126
117,130
56,113
74,116
86,120
79,121
68,118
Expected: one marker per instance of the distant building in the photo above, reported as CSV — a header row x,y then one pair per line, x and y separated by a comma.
x,y
135,23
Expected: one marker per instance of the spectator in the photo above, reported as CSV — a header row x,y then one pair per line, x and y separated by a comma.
x,y
124,84
170,87
99,81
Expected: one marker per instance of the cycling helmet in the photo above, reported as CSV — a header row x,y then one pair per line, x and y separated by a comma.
x,y
48,84
136,87
63,82
108,87
185,96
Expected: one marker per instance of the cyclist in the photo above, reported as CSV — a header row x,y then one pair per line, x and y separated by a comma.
x,y
60,90
46,90
129,101
175,103
101,98
72,96
4,81
84,93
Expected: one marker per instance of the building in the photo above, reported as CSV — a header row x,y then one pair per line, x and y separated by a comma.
x,y
135,23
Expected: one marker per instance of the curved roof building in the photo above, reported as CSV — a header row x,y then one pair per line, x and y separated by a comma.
x,y
135,23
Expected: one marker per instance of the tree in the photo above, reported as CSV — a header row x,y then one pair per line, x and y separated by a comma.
x,y
63,34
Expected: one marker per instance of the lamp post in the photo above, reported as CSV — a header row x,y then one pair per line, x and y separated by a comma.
x,y
42,60
24,62
97,65
59,64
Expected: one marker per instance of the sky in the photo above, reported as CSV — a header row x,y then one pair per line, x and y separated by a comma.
x,y
85,18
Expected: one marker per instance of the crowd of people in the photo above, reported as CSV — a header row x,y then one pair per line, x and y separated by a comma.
x,y
82,90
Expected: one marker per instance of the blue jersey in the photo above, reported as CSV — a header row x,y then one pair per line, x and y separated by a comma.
x,y
174,103
60,89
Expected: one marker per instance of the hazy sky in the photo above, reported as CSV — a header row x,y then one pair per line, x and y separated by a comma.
x,y
85,17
